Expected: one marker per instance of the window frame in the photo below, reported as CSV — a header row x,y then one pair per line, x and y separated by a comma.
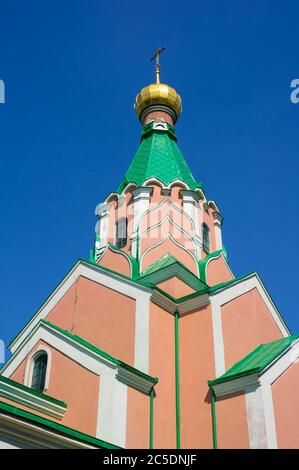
x,y
30,366
120,242
206,240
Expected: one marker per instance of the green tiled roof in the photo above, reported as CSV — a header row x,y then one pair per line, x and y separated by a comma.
x,y
158,156
257,359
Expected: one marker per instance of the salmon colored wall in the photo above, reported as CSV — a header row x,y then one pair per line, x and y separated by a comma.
x,y
246,323
138,420
196,353
116,261
217,271
100,315
161,365
285,393
232,429
168,246
175,287
73,384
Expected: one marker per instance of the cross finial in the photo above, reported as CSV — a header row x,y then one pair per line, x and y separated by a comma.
x,y
157,57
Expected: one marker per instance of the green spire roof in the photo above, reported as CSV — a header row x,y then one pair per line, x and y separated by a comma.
x,y
158,156
257,360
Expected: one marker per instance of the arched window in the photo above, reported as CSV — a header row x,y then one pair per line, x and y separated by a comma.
x,y
39,372
206,238
121,229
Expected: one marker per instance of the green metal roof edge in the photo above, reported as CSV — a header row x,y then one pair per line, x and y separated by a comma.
x,y
175,261
99,351
229,376
131,259
88,262
32,392
57,426
172,259
202,264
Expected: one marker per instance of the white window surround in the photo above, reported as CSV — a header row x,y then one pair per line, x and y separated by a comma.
x,y
112,407
30,365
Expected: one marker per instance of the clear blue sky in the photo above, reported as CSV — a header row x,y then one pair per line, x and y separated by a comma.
x,y
68,131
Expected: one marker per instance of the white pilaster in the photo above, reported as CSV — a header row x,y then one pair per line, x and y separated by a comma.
x,y
192,207
218,219
102,211
256,417
140,206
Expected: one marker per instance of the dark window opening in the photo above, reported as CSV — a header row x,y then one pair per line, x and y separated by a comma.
x,y
39,372
206,238
121,232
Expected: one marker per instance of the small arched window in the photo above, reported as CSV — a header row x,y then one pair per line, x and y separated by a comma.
x,y
39,372
121,229
206,238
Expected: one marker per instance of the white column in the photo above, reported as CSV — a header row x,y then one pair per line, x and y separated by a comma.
x,y
192,207
102,227
140,206
218,219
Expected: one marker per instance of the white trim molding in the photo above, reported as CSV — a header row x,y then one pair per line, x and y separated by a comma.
x,y
138,292
27,398
30,365
112,402
225,295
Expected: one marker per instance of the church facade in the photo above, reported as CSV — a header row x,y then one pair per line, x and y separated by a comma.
x,y
153,342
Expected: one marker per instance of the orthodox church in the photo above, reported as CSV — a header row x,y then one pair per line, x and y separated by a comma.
x,y
153,342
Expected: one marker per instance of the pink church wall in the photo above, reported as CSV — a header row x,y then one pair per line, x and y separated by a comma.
x,y
246,323
232,429
101,316
168,246
196,352
175,287
71,383
285,393
138,420
116,261
217,271
162,360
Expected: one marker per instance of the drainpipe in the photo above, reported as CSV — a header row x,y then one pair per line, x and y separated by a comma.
x,y
151,434
177,380
214,424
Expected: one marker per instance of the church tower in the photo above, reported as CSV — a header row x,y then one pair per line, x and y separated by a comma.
x,y
153,342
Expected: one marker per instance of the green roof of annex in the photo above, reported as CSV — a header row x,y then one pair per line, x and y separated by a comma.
x,y
159,156
257,360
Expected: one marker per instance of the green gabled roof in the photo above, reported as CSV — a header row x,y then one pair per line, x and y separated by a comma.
x,y
256,360
165,260
99,351
158,156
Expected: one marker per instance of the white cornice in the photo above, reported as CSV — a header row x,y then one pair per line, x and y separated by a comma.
x,y
130,378
32,401
235,385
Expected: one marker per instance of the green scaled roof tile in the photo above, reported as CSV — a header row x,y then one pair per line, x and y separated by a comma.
x,y
256,360
158,156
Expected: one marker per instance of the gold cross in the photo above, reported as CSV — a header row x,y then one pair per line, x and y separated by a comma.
x,y
157,57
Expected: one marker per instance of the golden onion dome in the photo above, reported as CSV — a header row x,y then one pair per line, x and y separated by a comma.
x,y
158,94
